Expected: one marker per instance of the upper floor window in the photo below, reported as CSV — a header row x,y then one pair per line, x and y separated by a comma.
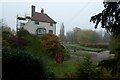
x,y
37,22
51,31
51,24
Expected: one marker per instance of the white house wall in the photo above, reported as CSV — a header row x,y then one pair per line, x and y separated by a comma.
x,y
32,27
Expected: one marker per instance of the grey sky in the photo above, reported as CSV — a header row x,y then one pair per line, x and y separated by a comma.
x,y
72,14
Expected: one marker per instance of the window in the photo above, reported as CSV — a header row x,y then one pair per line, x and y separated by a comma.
x,y
37,22
51,31
40,31
22,27
51,24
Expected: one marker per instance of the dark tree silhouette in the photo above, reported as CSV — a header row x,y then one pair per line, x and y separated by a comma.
x,y
109,18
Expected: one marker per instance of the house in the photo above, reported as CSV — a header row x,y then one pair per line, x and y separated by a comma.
x,y
40,23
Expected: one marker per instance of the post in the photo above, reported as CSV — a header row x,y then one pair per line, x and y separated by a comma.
x,y
16,24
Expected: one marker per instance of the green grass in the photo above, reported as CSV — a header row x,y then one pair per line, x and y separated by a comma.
x,y
89,48
61,69
111,56
84,54
82,47
68,66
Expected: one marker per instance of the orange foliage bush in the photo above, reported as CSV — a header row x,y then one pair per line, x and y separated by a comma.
x,y
50,41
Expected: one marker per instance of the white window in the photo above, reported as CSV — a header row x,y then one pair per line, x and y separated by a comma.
x,y
40,31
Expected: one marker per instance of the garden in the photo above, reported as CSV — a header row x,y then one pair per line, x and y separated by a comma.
x,y
30,57
26,56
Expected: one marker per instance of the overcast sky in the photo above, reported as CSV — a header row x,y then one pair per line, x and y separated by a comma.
x,y
72,13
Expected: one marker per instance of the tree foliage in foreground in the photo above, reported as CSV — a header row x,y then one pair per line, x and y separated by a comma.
x,y
109,18
114,44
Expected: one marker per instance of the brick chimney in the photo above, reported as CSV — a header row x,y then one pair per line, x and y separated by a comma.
x,y
42,10
33,10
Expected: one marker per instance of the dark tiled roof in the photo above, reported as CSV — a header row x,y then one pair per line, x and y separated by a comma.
x,y
42,17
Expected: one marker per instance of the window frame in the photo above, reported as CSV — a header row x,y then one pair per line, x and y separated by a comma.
x,y
51,24
51,31
36,22
40,31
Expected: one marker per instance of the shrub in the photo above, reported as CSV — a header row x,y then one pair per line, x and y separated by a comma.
x,y
6,35
88,71
20,65
10,40
66,54
34,46
22,32
5,38
17,42
112,66
5,43
51,43
64,51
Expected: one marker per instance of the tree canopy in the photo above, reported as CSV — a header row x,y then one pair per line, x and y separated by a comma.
x,y
109,18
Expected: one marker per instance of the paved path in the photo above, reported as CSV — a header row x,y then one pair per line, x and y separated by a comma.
x,y
100,56
74,57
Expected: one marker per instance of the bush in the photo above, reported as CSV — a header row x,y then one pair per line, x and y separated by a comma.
x,y
88,71
5,38
112,66
17,42
51,43
20,65
6,35
66,54
34,46
12,41
22,32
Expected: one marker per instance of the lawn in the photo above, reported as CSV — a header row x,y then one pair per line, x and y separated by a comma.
x,y
89,48
67,66
75,46
61,69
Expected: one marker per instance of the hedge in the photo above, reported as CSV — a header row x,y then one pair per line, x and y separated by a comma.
x,y
20,65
